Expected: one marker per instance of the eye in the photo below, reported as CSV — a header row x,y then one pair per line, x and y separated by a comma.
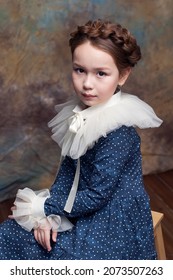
x,y
78,70
101,74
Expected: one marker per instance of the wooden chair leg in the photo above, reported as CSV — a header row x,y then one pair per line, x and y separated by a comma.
x,y
158,236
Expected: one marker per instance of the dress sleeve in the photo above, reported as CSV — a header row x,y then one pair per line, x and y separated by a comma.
x,y
112,153
29,211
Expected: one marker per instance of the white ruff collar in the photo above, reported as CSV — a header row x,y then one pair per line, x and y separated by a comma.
x,y
76,129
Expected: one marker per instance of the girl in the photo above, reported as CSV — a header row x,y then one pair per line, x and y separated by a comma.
x,y
97,207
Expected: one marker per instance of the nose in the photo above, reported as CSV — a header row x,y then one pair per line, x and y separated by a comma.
x,y
88,83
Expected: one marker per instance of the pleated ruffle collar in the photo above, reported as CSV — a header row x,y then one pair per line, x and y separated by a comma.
x,y
76,129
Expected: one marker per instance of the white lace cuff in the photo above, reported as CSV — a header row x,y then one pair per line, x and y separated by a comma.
x,y
29,212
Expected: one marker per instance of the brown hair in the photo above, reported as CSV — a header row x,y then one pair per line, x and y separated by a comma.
x,y
111,38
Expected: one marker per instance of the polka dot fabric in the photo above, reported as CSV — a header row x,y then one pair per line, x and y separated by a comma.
x,y
111,213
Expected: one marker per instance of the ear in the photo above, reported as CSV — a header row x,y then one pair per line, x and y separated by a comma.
x,y
124,76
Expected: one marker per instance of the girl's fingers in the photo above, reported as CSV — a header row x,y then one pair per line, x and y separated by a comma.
x,y
10,217
43,238
36,234
47,239
54,236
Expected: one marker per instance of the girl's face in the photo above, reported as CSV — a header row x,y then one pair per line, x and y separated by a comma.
x,y
95,75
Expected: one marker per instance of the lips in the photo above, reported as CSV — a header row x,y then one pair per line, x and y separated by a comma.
x,y
88,95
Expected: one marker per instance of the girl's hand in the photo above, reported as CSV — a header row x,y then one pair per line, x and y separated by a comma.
x,y
11,216
43,237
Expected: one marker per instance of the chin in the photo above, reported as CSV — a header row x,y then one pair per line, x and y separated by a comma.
x,y
89,103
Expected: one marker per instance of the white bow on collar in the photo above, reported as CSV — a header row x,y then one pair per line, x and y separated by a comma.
x,y
76,122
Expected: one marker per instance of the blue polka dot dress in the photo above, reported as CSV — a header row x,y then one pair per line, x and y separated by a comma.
x,y
111,212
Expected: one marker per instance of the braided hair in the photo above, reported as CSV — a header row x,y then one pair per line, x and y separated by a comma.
x,y
111,38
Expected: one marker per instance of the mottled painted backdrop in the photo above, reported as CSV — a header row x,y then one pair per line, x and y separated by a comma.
x,y
35,65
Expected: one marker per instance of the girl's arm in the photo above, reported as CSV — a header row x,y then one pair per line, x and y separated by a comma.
x,y
45,210
112,154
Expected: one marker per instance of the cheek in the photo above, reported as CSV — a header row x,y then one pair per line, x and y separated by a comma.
x,y
77,85
74,80
110,86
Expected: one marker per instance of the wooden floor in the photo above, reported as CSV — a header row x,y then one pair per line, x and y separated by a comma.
x,y
160,190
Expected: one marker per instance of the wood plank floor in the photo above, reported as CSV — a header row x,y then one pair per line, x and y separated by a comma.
x,y
160,190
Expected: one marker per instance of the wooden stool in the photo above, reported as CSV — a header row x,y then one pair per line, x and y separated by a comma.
x,y
158,237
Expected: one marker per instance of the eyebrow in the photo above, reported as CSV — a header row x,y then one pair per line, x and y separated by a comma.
x,y
95,69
